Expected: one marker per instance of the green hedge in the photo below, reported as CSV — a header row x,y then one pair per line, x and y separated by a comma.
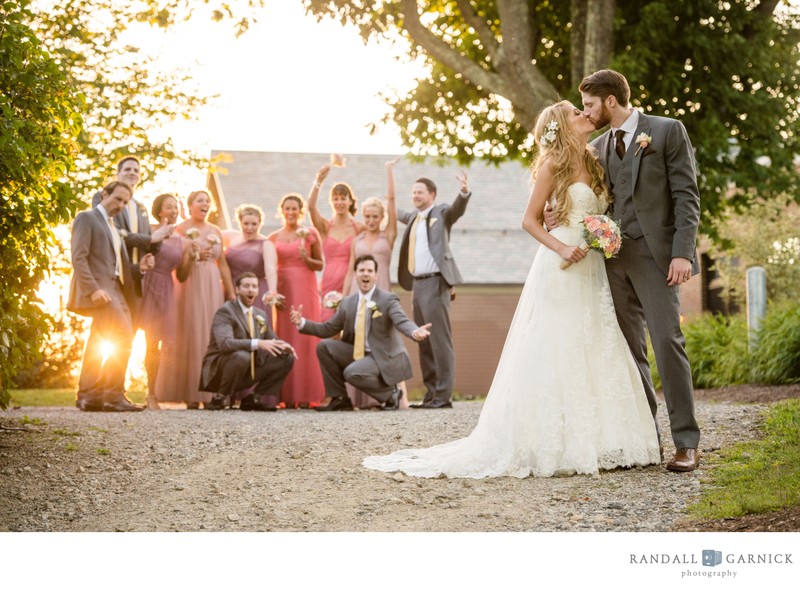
x,y
719,355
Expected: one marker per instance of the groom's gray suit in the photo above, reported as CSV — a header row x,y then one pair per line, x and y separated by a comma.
x,y
657,200
386,362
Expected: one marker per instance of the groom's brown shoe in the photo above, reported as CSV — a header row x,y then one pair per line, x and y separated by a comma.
x,y
685,459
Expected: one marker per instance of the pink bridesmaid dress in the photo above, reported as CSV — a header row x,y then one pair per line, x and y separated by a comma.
x,y
337,259
298,283
196,301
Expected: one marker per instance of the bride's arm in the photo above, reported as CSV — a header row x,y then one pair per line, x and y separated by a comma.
x,y
534,216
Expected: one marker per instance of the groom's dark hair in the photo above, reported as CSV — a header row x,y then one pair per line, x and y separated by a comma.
x,y
604,83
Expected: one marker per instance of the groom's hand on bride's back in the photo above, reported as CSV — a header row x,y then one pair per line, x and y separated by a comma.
x,y
550,221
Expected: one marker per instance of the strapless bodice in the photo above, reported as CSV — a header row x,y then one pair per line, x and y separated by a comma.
x,y
584,203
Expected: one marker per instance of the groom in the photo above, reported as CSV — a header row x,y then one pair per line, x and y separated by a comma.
x,y
650,169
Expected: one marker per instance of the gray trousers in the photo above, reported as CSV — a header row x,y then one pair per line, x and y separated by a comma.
x,y
643,300
337,364
431,300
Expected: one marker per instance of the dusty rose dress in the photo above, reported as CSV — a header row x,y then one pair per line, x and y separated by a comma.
x,y
382,252
157,313
196,301
249,256
298,284
337,259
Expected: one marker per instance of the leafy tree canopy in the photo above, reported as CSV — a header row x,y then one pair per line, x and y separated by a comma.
x,y
729,70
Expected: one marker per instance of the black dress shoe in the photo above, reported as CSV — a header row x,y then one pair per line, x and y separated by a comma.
x,y
89,404
435,405
216,403
121,405
394,400
262,407
341,404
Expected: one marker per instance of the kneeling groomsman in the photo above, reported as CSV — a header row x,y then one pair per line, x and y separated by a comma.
x,y
243,351
370,354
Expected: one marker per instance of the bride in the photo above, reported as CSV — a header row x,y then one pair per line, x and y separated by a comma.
x,y
567,396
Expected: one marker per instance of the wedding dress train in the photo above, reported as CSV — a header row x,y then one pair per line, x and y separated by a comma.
x,y
566,396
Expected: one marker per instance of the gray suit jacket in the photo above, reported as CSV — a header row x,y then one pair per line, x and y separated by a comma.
x,y
139,240
440,219
383,324
665,194
229,333
94,263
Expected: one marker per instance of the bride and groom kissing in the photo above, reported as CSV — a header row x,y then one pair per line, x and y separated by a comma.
x,y
572,392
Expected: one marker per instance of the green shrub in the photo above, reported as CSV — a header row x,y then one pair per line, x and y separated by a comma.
x,y
776,355
717,347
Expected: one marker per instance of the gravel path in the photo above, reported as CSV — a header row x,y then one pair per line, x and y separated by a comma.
x,y
300,470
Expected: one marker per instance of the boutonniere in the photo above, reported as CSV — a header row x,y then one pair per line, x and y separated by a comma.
x,y
373,306
142,210
262,323
644,141
431,222
122,232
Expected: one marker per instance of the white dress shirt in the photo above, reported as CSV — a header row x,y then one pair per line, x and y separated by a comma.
x,y
629,127
424,263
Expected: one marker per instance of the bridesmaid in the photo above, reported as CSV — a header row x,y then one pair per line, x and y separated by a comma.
x,y
249,250
299,257
379,243
197,300
157,315
337,233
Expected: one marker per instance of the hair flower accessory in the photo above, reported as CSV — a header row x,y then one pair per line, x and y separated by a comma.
x,y
644,141
550,135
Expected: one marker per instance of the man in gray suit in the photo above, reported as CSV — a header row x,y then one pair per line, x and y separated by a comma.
x,y
427,267
243,351
102,287
133,222
370,354
650,169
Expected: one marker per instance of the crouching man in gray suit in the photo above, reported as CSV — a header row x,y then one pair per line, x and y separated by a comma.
x,y
370,355
243,351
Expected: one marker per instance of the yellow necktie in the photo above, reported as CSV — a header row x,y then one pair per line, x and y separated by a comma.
x,y
412,244
117,249
252,336
133,218
361,329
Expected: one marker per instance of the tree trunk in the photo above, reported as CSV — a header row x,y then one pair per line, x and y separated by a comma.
x,y
599,40
577,41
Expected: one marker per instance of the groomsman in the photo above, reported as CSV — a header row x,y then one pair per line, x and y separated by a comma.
x,y
370,354
427,267
243,351
650,168
102,287
133,222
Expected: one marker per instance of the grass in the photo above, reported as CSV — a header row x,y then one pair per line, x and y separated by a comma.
x,y
56,397
757,476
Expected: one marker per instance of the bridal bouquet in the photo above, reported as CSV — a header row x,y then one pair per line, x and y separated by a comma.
x,y
600,233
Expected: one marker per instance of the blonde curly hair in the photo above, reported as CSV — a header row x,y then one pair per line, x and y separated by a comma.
x,y
563,149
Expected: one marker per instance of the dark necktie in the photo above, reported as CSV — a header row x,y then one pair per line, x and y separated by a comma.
x,y
619,146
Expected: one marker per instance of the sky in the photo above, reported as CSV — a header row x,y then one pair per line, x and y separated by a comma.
x,y
290,83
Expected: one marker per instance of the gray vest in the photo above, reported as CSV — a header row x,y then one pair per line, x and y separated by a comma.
x,y
620,181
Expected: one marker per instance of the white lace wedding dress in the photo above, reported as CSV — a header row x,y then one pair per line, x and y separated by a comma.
x,y
566,397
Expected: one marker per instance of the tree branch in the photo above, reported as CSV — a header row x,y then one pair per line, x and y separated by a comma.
x,y
480,25
445,54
